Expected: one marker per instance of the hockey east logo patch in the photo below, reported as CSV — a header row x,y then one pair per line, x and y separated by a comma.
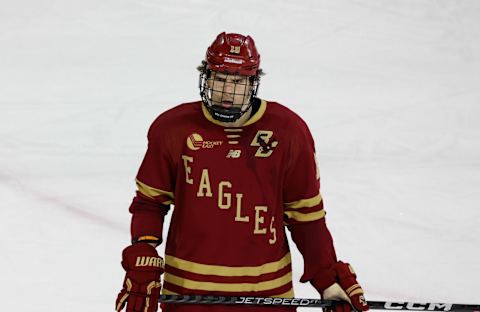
x,y
195,142
264,142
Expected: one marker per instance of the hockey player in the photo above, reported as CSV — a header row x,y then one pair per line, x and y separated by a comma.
x,y
239,171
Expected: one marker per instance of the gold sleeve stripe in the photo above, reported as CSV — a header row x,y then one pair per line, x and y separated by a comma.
x,y
207,269
228,287
305,217
153,192
304,203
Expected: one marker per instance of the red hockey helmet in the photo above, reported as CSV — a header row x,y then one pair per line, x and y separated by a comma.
x,y
233,54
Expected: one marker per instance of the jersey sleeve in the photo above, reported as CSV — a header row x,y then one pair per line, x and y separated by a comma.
x,y
301,192
155,178
155,188
315,243
303,207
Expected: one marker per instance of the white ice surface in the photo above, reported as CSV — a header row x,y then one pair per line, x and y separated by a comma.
x,y
390,89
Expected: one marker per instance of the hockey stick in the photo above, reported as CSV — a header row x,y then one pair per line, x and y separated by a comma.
x,y
316,303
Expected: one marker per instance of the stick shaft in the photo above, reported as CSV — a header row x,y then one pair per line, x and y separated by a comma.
x,y
316,303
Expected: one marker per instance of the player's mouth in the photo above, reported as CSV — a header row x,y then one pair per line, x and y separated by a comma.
x,y
227,104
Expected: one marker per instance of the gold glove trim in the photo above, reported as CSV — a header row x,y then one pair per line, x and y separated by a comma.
x,y
147,237
128,282
152,285
354,290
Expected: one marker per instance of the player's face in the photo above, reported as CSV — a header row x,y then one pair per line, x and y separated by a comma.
x,y
229,90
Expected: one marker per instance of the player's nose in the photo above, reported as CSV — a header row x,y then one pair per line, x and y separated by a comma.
x,y
228,87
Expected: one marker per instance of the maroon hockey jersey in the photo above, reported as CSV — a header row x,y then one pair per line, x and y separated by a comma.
x,y
233,191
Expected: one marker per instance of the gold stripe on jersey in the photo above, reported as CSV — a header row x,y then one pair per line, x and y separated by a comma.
x,y
152,192
208,269
233,142
305,217
254,118
232,136
165,291
228,287
304,203
288,294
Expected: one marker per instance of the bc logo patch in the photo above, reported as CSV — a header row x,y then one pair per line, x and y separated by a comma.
x,y
265,143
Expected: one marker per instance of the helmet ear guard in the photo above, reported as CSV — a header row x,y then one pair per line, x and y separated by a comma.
x,y
232,55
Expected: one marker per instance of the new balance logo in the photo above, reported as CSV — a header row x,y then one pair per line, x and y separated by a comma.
x,y
234,153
